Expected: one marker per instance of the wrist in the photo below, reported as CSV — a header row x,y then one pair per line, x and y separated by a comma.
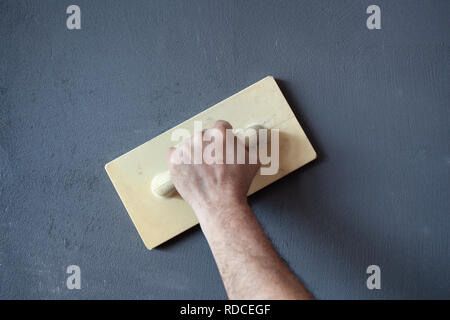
x,y
224,208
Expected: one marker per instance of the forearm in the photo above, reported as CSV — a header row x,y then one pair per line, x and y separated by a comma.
x,y
249,265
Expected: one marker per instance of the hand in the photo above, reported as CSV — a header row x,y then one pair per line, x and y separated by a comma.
x,y
207,187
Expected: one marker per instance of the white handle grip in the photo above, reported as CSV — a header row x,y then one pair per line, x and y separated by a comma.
x,y
162,185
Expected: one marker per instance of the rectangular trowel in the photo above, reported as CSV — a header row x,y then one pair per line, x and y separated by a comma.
x,y
159,218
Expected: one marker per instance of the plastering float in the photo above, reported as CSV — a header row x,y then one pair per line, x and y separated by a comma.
x,y
141,179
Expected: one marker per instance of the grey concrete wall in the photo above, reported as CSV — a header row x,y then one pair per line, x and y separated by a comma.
x,y
375,104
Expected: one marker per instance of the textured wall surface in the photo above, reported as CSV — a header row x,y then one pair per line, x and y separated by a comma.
x,y
374,103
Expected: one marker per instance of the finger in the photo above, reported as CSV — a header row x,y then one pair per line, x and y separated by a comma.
x,y
170,154
197,138
222,125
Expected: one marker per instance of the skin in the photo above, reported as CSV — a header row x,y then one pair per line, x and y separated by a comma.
x,y
248,264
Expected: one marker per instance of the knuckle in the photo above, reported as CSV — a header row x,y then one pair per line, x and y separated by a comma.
x,y
222,125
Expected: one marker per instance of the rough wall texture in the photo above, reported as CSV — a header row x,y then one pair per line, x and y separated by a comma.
x,y
375,104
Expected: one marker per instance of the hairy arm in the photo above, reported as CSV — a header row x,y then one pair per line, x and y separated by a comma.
x,y
249,265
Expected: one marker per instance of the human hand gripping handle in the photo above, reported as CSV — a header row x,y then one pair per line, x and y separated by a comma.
x,y
204,184
162,184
